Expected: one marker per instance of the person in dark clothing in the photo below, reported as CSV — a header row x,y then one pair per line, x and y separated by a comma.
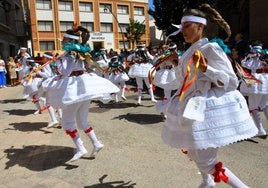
x,y
241,46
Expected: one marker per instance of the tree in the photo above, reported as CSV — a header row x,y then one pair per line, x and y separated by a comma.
x,y
135,30
166,12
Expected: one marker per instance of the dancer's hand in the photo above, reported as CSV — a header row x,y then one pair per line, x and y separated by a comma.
x,y
202,62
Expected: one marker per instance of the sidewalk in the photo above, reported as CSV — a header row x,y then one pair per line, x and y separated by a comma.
x,y
134,155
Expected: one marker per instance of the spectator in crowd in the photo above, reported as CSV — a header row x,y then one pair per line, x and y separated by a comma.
x,y
3,72
12,71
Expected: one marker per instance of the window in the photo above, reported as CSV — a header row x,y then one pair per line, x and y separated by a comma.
x,y
88,25
66,5
121,9
139,11
106,27
47,46
64,26
85,7
45,26
105,8
123,27
121,45
3,16
43,4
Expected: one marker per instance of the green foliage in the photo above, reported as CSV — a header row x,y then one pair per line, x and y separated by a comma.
x,y
134,30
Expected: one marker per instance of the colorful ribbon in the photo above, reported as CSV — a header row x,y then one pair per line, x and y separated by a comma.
x,y
187,84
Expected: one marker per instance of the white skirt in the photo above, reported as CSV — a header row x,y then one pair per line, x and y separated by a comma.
x,y
117,78
166,79
31,88
70,90
139,70
227,120
256,88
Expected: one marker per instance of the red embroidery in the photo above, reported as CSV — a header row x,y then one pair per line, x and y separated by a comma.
x,y
88,130
71,133
219,173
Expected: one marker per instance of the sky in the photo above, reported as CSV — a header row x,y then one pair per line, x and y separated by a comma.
x,y
150,2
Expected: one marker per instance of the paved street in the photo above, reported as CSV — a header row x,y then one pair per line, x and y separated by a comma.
x,y
134,155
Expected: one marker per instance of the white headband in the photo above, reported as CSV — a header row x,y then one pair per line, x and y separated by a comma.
x,y
257,47
187,19
194,19
71,36
48,56
172,47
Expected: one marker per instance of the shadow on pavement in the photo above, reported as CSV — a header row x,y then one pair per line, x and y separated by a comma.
x,y
40,157
118,105
13,101
119,184
29,127
20,112
141,118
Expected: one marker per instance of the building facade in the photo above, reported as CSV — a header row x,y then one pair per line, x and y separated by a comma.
x,y
13,28
105,19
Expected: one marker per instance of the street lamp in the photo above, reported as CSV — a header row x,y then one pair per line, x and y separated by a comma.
x,y
105,10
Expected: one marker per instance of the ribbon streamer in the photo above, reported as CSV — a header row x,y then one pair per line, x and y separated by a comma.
x,y
186,84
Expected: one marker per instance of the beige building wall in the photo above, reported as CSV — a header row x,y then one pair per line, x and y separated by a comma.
x,y
97,16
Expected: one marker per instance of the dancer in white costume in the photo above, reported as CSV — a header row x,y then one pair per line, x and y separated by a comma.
x,y
100,63
23,69
165,76
46,73
257,92
118,75
207,112
31,83
140,61
74,88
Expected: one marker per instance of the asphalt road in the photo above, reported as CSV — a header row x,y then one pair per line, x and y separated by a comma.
x,y
33,156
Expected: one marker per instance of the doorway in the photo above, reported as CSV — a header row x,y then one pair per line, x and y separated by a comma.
x,y
97,46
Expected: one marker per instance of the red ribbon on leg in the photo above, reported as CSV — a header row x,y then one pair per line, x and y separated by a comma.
x,y
219,174
71,133
88,130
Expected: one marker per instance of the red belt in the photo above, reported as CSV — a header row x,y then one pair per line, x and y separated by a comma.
x,y
77,73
